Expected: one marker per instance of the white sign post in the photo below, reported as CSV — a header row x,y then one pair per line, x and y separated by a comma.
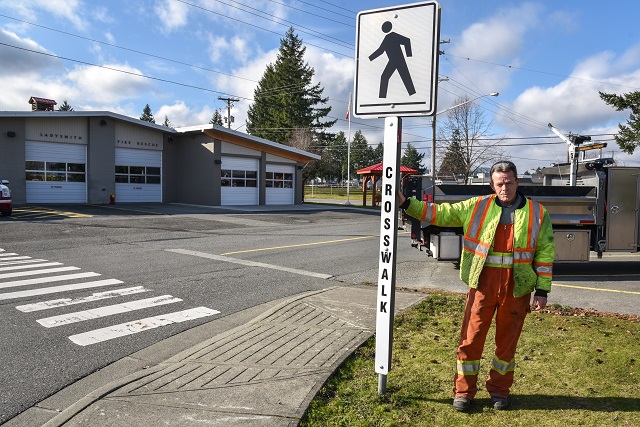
x,y
388,245
396,75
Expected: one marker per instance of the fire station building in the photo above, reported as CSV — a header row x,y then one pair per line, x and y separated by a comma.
x,y
93,156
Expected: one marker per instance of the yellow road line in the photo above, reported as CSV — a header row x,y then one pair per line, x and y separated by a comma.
x,y
596,289
350,239
299,245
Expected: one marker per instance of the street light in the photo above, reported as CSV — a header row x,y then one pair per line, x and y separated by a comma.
x,y
433,135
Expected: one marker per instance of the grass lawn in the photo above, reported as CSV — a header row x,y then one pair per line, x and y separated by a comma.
x,y
573,368
338,193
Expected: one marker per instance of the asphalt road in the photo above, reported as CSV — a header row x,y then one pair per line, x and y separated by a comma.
x,y
213,261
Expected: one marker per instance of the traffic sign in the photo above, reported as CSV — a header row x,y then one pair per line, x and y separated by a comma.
x,y
397,60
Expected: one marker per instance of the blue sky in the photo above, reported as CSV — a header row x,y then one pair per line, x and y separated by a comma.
x,y
548,59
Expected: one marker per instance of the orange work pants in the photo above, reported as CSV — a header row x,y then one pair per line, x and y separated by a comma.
x,y
494,295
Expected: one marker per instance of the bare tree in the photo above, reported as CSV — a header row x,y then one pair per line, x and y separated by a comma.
x,y
463,135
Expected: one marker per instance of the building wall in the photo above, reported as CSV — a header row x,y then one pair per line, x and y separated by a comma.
x,y
12,160
100,159
195,171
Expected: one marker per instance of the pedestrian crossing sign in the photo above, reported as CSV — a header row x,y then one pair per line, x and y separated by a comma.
x,y
397,61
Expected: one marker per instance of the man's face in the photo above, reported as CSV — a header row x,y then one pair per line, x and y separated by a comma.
x,y
505,185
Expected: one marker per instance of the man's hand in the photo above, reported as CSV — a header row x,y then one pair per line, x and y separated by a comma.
x,y
539,303
401,197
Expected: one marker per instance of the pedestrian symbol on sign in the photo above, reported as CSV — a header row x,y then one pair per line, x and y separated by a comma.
x,y
392,46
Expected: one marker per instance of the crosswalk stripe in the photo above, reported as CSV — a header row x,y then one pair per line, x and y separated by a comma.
x,y
136,326
36,272
109,310
56,289
7,254
24,261
64,302
25,266
13,258
27,282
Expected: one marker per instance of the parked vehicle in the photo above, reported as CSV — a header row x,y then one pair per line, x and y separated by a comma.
x,y
594,206
6,207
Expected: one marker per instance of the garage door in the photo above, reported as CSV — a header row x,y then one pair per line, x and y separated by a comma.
x,y
55,173
279,185
138,175
239,181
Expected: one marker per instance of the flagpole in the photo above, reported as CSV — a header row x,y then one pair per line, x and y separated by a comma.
x,y
349,152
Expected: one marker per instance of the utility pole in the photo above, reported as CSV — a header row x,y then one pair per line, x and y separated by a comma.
x,y
229,102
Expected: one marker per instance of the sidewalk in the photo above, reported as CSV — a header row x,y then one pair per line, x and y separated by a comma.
x,y
258,367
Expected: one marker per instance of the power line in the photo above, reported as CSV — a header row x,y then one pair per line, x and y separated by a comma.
x,y
541,72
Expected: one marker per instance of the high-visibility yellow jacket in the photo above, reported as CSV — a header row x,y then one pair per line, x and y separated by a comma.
x,y
534,246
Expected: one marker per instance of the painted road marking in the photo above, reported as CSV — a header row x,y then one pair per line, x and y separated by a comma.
x,y
61,288
136,326
14,258
249,263
300,245
65,302
25,266
7,254
27,282
109,310
25,261
36,272
595,289
56,289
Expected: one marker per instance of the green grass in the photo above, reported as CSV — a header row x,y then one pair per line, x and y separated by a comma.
x,y
574,368
339,193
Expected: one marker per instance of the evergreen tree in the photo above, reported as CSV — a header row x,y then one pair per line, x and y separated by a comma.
x,y
65,106
378,154
216,119
629,136
454,163
360,155
167,122
147,115
286,100
412,158
335,158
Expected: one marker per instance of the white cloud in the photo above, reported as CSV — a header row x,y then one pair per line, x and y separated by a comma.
x,y
172,14
574,105
180,115
494,40
67,9
106,87
16,60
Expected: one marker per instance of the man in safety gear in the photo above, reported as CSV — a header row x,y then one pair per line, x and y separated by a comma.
x,y
508,252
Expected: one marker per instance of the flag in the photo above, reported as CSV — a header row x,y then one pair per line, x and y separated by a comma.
x,y
348,108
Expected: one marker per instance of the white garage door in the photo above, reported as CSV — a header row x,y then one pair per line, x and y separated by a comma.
x,y
239,181
138,175
55,173
280,185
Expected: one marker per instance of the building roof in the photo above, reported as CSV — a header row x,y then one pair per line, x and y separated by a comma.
x,y
252,142
116,116
377,169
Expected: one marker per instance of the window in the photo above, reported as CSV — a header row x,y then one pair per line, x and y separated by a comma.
x,y
238,178
55,171
137,175
279,180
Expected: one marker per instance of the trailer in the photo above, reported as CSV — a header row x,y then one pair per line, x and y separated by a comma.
x,y
594,207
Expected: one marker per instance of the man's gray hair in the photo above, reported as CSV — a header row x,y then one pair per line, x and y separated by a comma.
x,y
504,166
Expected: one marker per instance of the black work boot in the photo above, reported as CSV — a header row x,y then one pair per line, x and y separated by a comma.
x,y
461,403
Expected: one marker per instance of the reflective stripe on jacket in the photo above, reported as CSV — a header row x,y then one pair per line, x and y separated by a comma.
x,y
534,246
